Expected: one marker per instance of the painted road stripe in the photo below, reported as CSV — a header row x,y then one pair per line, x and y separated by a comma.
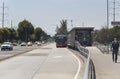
x,y
79,66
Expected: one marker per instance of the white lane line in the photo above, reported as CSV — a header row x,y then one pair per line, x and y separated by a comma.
x,y
79,66
58,57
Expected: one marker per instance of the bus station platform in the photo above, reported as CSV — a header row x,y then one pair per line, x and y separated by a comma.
x,y
105,68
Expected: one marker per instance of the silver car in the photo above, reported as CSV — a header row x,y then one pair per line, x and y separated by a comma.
x,y
6,46
23,44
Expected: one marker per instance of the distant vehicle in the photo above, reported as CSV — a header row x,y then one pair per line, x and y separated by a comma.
x,y
6,46
43,42
23,44
14,44
29,44
38,44
61,41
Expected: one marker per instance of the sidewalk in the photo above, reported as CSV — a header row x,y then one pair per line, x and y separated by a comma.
x,y
105,68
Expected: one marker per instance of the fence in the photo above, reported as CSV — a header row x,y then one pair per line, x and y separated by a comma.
x,y
104,49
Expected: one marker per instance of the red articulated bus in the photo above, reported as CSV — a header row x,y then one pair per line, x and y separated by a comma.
x,y
61,41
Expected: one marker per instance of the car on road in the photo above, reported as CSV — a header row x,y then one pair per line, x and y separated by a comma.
x,y
39,44
6,46
43,42
23,44
14,44
29,44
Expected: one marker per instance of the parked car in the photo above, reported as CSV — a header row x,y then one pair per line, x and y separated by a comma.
x,y
6,46
23,44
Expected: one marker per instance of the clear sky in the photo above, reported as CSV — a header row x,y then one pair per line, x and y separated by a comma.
x,y
48,13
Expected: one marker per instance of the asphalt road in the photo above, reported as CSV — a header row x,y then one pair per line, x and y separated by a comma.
x,y
16,50
47,62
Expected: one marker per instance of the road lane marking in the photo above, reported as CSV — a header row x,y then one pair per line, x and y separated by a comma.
x,y
58,57
79,66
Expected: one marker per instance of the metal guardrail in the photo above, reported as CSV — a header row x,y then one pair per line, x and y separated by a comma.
x,y
89,73
102,48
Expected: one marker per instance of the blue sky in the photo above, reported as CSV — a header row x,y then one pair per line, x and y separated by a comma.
x,y
48,13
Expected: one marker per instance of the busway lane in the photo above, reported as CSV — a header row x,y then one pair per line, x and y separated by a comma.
x,y
60,64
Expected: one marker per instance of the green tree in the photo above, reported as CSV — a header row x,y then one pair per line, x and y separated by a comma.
x,y
114,32
38,33
63,28
32,37
105,36
25,29
44,36
101,36
1,35
57,30
8,34
13,34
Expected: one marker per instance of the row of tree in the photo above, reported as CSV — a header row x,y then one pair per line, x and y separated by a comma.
x,y
25,32
105,36
8,34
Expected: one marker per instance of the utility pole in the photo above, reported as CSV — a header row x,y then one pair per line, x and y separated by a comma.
x,y
11,24
107,14
3,13
107,23
114,9
71,24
